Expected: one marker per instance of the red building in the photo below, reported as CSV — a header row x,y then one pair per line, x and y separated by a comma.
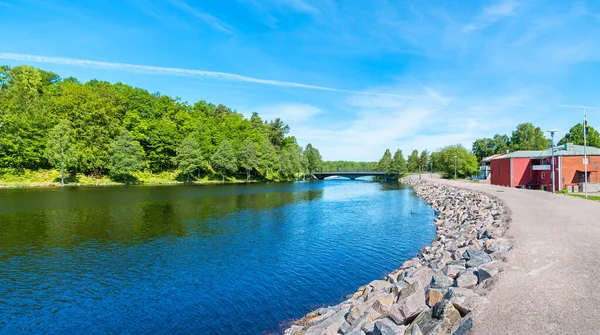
x,y
532,169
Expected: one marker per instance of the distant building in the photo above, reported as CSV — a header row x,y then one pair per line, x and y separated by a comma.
x,y
484,167
531,169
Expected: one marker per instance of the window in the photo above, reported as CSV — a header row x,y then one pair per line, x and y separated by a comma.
x,y
543,175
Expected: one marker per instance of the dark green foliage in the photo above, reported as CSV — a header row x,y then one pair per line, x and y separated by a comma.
x,y
248,158
423,161
314,159
575,136
528,137
466,162
385,163
333,166
413,161
59,148
33,101
399,163
223,160
189,156
125,156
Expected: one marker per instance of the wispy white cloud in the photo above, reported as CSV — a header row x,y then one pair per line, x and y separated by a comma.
x,y
294,113
211,20
493,13
175,72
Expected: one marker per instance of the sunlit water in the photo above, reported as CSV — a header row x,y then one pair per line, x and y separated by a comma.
x,y
224,259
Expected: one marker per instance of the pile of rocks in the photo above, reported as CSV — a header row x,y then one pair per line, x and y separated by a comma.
x,y
436,292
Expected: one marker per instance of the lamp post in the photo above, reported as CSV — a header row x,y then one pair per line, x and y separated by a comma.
x,y
455,166
552,174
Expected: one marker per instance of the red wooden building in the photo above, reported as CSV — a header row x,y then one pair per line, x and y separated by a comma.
x,y
531,169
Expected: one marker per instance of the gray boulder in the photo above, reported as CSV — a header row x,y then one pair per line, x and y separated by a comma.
x,y
441,281
476,258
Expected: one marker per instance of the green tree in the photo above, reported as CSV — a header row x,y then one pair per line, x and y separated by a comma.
x,y
189,156
314,159
423,161
223,160
125,156
466,162
399,163
269,161
248,158
485,147
385,163
59,147
575,136
528,137
413,161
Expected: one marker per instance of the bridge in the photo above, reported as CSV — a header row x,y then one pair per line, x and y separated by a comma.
x,y
353,174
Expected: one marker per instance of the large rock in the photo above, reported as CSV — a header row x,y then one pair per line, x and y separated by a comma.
x,y
463,326
411,301
439,319
476,258
466,279
387,327
441,281
434,296
383,304
452,270
422,275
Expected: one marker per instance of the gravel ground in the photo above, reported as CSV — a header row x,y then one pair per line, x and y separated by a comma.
x,y
550,284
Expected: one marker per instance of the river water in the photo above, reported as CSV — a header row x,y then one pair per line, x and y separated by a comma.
x,y
222,259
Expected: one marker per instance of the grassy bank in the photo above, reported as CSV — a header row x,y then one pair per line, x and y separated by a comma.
x,y
50,178
590,197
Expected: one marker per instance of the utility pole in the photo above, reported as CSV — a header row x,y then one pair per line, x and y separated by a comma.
x,y
455,166
585,158
552,175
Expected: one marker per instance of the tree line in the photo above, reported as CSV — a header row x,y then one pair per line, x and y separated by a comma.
x,y
98,128
442,160
529,137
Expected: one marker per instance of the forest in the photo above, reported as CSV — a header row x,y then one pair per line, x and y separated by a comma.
x,y
98,129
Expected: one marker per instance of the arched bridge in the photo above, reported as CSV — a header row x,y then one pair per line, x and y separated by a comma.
x,y
353,174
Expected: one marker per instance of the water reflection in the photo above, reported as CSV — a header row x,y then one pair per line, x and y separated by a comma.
x,y
222,259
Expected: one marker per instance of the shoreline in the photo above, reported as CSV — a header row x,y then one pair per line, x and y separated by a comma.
x,y
437,291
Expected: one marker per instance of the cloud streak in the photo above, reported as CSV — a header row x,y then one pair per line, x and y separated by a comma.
x,y
205,17
171,71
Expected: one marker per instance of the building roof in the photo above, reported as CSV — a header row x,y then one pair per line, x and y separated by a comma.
x,y
568,149
487,159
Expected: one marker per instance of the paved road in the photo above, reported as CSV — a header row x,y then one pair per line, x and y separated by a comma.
x,y
551,283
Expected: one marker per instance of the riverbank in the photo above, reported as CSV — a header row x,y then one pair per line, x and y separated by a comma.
x,y
51,178
437,291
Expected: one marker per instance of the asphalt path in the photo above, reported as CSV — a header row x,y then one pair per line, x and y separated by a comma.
x,y
551,281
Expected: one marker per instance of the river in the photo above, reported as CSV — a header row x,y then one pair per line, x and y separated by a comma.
x,y
219,259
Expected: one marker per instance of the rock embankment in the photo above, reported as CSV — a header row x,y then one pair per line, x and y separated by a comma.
x,y
436,292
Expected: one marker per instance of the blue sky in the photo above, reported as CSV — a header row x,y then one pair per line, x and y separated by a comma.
x,y
353,77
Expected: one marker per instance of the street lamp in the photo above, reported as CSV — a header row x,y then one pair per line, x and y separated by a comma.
x,y
552,175
455,166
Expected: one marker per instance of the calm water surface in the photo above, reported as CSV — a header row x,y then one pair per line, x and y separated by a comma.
x,y
224,259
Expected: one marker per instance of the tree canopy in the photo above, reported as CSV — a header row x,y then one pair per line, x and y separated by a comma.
x,y
575,136
173,135
125,156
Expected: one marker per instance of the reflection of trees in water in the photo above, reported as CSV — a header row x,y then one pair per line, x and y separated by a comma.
x,y
135,218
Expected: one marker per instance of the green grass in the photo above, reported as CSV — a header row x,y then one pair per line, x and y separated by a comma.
x,y
49,178
590,197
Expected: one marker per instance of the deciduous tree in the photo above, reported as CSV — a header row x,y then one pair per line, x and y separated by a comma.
x,y
223,160
125,156
59,148
189,156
